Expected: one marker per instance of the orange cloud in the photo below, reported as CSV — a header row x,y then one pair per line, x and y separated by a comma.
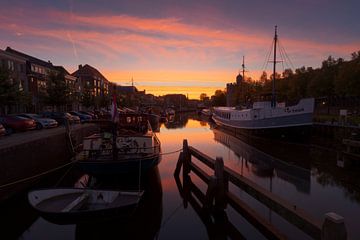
x,y
187,58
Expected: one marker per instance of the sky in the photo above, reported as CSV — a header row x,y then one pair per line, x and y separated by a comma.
x,y
185,46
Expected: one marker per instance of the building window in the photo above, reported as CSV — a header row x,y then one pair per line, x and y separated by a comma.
x,y
11,66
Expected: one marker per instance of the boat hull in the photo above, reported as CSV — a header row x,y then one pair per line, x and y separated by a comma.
x,y
50,205
294,132
120,167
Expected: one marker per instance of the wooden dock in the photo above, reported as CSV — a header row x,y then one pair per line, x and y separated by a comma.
x,y
218,196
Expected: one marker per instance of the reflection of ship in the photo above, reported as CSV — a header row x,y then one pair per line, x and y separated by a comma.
x,y
265,165
177,121
143,224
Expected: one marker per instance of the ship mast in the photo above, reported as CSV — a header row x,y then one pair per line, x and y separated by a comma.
x,y
273,100
243,68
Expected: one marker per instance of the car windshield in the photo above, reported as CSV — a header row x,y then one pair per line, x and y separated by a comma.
x,y
34,115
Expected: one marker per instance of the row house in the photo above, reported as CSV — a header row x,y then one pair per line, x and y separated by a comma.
x,y
33,74
16,66
89,77
37,74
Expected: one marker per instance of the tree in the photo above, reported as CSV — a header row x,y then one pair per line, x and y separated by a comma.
x,y
203,96
219,99
9,91
57,91
87,98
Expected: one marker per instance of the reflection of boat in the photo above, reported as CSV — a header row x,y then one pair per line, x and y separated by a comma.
x,y
268,117
144,223
72,205
122,148
265,165
206,113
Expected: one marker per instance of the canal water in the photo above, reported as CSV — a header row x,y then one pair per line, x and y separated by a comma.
x,y
310,177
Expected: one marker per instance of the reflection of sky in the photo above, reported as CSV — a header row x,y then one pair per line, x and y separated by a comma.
x,y
182,41
180,223
317,200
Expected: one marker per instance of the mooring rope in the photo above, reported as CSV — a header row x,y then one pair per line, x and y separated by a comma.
x,y
37,175
62,166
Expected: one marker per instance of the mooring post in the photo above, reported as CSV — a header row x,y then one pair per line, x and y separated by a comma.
x,y
220,197
333,227
186,158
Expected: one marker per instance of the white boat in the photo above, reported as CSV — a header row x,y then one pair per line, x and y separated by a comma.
x,y
73,205
263,116
268,116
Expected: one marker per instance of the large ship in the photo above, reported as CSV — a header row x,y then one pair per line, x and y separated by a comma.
x,y
268,116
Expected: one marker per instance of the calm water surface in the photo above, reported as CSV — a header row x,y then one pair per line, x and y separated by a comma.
x,y
306,176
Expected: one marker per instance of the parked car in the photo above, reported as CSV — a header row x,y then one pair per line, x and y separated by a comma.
x,y
40,121
102,114
60,117
2,130
83,117
14,123
74,118
92,114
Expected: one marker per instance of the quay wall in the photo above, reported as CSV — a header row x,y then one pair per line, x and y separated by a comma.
x,y
26,154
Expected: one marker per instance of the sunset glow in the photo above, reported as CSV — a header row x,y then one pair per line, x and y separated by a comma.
x,y
167,48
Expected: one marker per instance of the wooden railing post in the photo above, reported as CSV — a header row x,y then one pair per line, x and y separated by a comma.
x,y
210,192
186,158
179,164
333,227
220,196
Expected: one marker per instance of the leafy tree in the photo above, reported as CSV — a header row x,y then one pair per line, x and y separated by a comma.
x,y
203,96
219,99
87,98
57,91
9,91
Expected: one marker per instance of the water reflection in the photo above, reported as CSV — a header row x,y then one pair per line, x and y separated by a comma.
x,y
264,164
143,223
178,120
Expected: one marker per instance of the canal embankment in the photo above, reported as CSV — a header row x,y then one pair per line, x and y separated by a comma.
x,y
28,154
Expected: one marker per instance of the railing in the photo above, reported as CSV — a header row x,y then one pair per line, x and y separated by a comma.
x,y
218,196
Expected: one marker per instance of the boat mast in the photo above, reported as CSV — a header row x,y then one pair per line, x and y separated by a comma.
x,y
273,100
243,68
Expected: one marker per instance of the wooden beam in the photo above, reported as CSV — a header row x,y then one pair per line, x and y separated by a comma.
x,y
290,212
265,227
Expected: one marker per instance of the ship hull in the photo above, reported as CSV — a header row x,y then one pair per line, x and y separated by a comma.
x,y
295,127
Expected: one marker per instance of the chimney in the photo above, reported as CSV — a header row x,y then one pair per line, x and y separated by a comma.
x,y
80,66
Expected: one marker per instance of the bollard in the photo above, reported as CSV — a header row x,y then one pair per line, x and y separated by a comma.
x,y
333,227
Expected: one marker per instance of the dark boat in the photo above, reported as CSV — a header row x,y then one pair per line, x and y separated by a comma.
x,y
128,146
74,205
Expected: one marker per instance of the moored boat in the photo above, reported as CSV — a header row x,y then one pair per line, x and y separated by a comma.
x,y
128,146
268,117
74,205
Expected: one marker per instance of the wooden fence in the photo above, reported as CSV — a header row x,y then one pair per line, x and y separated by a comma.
x,y
218,196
